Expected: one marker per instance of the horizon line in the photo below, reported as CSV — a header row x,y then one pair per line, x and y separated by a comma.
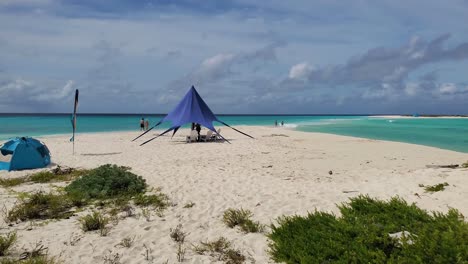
x,y
300,114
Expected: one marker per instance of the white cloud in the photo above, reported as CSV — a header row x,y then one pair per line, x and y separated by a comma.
x,y
300,71
412,88
55,94
448,88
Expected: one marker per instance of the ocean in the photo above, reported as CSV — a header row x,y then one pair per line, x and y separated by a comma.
x,y
446,133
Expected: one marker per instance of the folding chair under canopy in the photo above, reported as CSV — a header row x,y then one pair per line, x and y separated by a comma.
x,y
191,109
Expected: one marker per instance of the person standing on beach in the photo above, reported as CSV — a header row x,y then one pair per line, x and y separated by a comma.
x,y
146,124
276,123
142,124
282,123
198,128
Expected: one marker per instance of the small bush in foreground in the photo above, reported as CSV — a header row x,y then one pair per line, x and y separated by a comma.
x,y
158,200
6,242
241,217
365,233
41,205
436,188
106,181
177,234
220,249
94,221
127,242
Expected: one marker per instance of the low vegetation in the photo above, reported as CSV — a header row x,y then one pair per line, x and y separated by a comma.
x,y
241,218
106,182
95,221
435,188
7,241
36,255
11,182
222,250
189,205
158,200
41,205
371,231
35,260
127,242
55,175
178,235
465,165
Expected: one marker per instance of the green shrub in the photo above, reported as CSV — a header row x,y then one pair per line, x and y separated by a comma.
x,y
158,200
241,218
436,188
41,205
104,182
362,235
6,242
220,249
94,221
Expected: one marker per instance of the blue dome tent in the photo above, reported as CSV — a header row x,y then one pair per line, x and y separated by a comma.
x,y
26,153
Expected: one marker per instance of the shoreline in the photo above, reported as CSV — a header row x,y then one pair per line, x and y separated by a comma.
x,y
138,132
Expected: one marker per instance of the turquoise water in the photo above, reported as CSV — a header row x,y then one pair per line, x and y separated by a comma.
x,y
437,132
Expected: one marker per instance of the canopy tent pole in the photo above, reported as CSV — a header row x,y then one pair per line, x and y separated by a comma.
x,y
157,136
236,129
147,131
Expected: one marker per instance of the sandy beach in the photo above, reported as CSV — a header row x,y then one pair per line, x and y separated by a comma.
x,y
280,172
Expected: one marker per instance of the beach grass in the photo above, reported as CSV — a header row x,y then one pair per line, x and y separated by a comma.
x,y
371,231
41,205
33,260
95,221
221,249
242,218
436,188
6,242
55,175
158,200
12,181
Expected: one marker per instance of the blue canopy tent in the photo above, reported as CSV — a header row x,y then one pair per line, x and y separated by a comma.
x,y
27,153
191,109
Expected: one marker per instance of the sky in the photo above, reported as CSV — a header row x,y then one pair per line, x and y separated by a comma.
x,y
243,57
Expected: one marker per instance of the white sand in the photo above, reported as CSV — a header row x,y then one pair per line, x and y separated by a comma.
x,y
281,172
